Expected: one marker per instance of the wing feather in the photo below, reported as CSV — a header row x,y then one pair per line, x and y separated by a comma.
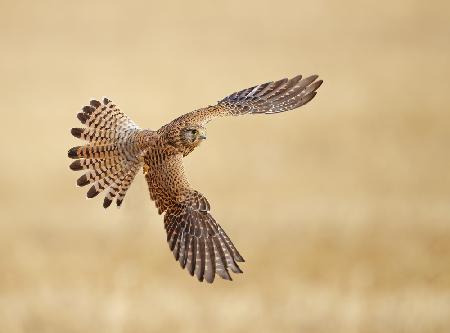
x,y
270,97
197,241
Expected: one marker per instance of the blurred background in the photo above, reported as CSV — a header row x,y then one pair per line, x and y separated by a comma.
x,y
341,208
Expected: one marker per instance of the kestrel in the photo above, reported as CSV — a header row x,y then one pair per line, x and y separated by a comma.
x,y
117,149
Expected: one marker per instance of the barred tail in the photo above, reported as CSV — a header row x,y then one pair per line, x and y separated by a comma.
x,y
112,156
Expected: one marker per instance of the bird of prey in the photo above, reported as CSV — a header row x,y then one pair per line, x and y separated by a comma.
x,y
117,149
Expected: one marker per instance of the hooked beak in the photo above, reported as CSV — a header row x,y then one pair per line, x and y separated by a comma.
x,y
202,137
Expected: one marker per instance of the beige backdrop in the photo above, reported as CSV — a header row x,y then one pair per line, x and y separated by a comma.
x,y
341,208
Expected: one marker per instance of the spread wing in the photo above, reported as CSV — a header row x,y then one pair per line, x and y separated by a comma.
x,y
270,97
195,238
197,241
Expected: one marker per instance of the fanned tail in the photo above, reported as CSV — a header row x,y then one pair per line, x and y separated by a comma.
x,y
114,151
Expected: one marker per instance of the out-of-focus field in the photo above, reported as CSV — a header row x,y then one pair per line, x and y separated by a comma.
x,y
341,209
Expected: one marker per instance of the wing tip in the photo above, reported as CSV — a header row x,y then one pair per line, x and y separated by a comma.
x,y
202,260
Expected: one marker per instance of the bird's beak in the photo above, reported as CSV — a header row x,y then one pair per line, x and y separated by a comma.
x,y
202,137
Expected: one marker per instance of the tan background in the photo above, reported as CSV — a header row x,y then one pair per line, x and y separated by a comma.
x,y
341,209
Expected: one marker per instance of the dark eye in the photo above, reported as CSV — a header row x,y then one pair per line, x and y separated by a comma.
x,y
194,131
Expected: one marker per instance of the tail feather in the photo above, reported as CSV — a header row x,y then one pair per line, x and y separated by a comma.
x,y
91,151
95,135
106,182
99,173
126,183
105,115
112,156
93,163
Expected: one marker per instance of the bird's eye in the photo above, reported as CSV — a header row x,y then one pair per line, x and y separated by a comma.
x,y
194,131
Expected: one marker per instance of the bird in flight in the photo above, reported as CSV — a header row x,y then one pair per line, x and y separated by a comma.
x,y
117,149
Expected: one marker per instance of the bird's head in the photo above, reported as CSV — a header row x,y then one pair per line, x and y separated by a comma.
x,y
192,135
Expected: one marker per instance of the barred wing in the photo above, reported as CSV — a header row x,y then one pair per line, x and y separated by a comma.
x,y
197,241
267,98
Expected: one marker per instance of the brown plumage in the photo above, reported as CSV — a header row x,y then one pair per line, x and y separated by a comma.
x,y
117,149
